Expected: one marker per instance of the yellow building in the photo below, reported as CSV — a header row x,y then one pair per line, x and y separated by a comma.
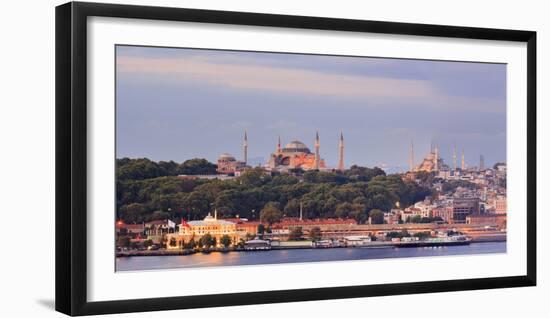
x,y
210,225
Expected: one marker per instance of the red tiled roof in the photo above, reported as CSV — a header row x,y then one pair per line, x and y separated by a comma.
x,y
309,222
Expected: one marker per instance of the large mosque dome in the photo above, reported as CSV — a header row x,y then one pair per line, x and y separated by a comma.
x,y
296,146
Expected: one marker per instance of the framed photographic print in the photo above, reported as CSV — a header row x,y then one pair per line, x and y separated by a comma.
x,y
253,158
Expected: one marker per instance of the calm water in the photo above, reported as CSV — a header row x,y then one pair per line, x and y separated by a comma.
x,y
298,256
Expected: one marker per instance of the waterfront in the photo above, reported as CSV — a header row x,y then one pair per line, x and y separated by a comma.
x,y
298,256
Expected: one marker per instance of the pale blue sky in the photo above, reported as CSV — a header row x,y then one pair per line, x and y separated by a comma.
x,y
177,104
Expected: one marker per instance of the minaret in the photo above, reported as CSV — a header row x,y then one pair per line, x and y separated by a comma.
x,y
462,163
317,145
481,163
411,157
245,148
436,158
454,157
279,145
301,211
341,152
215,214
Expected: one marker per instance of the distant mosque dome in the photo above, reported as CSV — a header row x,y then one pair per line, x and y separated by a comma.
x,y
209,218
226,157
296,146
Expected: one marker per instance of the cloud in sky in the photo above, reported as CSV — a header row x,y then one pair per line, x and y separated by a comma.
x,y
200,101
275,79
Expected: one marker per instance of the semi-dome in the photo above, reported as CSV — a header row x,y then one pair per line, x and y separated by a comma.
x,y
296,146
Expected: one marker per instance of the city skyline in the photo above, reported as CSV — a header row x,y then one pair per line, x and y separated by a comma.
x,y
178,104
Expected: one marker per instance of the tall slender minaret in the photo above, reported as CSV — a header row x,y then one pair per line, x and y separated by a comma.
x,y
454,157
341,152
317,145
481,163
436,158
279,145
411,157
462,163
245,148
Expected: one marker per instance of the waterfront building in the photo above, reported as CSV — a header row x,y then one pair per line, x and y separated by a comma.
x,y
497,204
408,213
444,212
244,226
392,217
209,225
463,207
425,208
130,229
159,227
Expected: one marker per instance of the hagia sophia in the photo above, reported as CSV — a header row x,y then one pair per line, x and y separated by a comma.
x,y
295,155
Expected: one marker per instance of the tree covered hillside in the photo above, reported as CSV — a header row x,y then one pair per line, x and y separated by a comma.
x,y
148,190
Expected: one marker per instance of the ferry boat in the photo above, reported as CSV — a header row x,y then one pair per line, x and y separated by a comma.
x,y
436,241
257,245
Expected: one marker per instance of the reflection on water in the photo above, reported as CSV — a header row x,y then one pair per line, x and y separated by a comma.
x,y
298,256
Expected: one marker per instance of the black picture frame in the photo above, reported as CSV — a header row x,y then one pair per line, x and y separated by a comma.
x,y
71,157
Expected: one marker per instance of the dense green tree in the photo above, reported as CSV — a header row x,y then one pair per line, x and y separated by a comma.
x,y
270,213
359,212
146,191
136,169
148,243
363,174
422,235
261,229
197,166
134,213
123,241
225,240
254,177
173,242
207,241
415,219
191,244
401,234
292,208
